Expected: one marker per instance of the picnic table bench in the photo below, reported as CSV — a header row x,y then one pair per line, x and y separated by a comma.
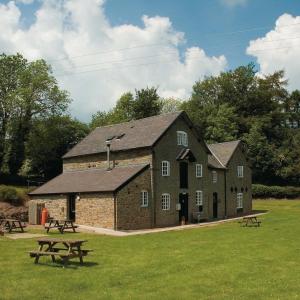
x,y
250,221
66,249
11,224
61,225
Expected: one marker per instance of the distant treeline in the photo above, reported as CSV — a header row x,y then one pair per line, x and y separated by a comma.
x,y
36,129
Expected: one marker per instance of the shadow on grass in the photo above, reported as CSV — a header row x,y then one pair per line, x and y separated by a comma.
x,y
69,265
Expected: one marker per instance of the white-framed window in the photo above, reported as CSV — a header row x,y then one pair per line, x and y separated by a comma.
x,y
239,200
182,138
165,168
165,201
144,198
240,171
199,198
199,170
214,176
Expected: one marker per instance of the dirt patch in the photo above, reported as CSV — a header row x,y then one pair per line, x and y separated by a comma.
x,y
8,210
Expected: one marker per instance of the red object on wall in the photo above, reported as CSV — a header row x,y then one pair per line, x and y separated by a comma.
x,y
44,216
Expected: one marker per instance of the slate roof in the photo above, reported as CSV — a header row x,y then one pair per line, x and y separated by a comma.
x,y
91,180
214,163
130,135
224,151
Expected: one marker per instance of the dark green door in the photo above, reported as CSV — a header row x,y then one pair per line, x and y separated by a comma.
x,y
215,205
184,203
71,207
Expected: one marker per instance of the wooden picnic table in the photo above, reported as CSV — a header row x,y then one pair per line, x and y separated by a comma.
x,y
61,225
66,249
12,224
250,221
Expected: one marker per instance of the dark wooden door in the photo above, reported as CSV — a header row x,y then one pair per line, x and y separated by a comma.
x,y
184,203
183,174
72,207
215,205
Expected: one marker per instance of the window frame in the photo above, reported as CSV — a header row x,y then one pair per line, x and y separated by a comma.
x,y
240,171
143,198
199,198
239,201
201,169
214,178
165,201
182,138
165,168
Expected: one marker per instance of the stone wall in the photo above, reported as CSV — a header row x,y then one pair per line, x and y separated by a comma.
x,y
167,149
95,209
237,185
55,204
121,158
219,188
130,214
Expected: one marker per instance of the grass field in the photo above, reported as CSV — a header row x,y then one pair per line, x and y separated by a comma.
x,y
221,262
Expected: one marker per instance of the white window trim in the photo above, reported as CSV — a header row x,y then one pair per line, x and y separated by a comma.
x,y
144,198
240,171
214,176
165,168
239,200
165,201
199,198
199,166
182,138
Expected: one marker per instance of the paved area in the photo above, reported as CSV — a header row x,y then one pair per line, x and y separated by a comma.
x,y
25,235
99,230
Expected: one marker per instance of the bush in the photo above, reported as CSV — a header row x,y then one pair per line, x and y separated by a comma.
x,y
12,195
265,191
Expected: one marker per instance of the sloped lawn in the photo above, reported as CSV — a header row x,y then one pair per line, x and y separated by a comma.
x,y
221,262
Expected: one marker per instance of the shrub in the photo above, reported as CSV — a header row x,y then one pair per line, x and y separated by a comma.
x,y
265,191
12,195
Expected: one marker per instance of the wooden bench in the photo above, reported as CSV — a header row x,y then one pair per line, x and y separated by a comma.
x,y
69,249
250,221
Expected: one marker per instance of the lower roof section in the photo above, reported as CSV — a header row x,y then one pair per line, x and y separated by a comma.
x,y
91,180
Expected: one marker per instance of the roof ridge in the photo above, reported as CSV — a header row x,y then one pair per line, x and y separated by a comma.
x,y
225,142
138,120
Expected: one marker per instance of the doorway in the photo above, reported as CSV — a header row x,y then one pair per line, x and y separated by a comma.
x,y
215,205
183,175
184,205
72,207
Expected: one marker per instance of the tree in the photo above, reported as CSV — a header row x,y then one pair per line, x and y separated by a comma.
x,y
146,103
28,92
48,141
169,105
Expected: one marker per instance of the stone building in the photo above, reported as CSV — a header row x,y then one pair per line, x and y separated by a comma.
x,y
147,173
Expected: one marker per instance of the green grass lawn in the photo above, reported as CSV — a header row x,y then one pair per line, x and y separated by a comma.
x,y
221,262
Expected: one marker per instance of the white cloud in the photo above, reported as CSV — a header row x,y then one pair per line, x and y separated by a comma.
x,y
25,1
279,49
233,3
125,56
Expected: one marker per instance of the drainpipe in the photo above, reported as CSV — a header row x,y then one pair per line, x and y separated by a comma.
x,y
108,154
115,212
225,186
152,190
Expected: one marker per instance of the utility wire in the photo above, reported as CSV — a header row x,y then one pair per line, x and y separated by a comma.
x,y
161,44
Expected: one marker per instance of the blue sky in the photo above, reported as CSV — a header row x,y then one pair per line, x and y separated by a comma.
x,y
211,24
91,44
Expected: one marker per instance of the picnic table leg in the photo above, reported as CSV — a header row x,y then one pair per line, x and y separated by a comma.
x,y
80,254
37,257
21,227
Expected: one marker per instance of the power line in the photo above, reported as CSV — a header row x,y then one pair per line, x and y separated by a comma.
x,y
175,52
151,63
161,44
122,60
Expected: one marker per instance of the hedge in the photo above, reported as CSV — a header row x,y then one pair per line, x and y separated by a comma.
x,y
265,191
